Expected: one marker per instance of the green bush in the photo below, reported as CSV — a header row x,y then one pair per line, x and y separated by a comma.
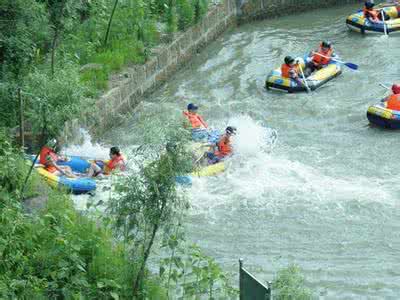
x,y
53,100
290,285
59,254
96,80
14,168
9,103
200,9
185,11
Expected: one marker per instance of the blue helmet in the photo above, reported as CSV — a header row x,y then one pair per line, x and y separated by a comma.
x,y
369,4
191,106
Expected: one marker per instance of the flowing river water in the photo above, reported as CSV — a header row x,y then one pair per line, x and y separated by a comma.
x,y
326,194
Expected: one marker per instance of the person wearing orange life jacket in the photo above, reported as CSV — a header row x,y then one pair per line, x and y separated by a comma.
x,y
373,15
393,101
195,122
290,69
117,161
370,13
317,61
49,158
223,147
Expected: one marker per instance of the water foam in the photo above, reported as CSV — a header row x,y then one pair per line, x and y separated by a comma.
x,y
86,148
260,174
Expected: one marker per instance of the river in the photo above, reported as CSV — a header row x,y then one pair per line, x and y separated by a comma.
x,y
325,195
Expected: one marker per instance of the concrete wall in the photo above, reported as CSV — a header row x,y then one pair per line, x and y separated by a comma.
x,y
248,10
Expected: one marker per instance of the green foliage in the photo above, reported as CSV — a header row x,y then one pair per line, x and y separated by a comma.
x,y
23,31
188,272
148,201
185,12
13,168
59,254
172,19
289,285
53,99
200,9
8,102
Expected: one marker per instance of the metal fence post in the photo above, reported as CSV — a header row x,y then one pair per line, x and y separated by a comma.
x,y
241,288
250,287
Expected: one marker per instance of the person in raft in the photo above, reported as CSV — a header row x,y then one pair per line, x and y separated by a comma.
x,y
373,15
117,162
223,148
320,58
290,69
195,122
49,158
393,101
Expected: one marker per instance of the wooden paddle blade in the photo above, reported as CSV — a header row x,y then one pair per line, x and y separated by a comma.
x,y
351,66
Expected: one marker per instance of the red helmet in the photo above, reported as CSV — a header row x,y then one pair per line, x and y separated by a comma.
x,y
396,88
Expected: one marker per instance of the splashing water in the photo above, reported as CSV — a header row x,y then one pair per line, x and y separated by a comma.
x,y
86,148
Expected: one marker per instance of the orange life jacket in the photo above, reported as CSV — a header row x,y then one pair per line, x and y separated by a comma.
x,y
195,120
224,147
318,59
46,151
112,164
287,69
371,14
51,169
393,102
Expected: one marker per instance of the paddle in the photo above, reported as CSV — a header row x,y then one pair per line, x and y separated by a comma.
x,y
347,64
384,23
304,79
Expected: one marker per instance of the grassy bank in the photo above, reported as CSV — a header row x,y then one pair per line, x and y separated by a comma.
x,y
60,54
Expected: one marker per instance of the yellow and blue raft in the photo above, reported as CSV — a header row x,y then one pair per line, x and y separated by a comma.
x,y
79,185
275,80
379,115
357,21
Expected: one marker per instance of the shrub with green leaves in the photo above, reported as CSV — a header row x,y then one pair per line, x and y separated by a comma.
x,y
185,10
290,285
53,100
13,168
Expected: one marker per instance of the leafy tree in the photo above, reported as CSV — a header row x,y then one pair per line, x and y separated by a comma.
x,y
148,202
289,285
200,9
185,13
61,15
110,22
53,99
22,34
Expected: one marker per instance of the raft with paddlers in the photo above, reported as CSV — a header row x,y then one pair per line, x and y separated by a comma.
x,y
276,81
386,113
381,19
379,115
78,185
